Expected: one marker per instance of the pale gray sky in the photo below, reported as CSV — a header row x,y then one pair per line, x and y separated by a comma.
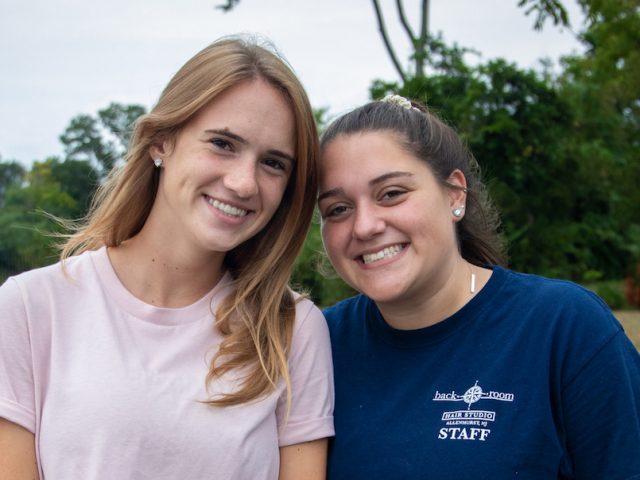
x,y
65,57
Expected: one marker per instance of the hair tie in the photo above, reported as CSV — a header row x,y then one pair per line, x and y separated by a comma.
x,y
399,100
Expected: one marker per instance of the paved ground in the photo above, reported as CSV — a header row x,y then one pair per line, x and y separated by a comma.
x,y
630,319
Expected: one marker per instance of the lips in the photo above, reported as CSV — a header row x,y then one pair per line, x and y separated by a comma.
x,y
385,253
227,209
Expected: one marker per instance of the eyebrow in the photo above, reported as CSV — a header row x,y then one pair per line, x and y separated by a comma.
x,y
334,192
387,176
234,136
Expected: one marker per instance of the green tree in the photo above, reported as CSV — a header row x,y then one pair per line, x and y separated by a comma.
x,y
50,188
560,168
421,40
11,173
603,89
26,242
84,141
79,180
313,272
560,152
42,192
58,188
118,120
516,125
102,141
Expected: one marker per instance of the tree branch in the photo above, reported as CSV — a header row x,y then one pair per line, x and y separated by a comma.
x,y
228,5
424,26
404,22
385,39
420,45
546,9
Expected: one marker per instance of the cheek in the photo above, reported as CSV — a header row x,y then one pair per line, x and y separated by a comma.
x,y
273,192
332,239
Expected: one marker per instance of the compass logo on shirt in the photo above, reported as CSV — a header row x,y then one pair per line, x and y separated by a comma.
x,y
469,424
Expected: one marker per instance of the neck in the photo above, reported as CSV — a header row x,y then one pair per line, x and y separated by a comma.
x,y
453,292
162,274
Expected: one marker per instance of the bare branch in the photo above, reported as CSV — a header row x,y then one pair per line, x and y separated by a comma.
x,y
404,22
420,45
385,39
424,26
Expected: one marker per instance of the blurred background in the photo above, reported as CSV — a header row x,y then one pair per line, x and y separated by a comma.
x,y
545,93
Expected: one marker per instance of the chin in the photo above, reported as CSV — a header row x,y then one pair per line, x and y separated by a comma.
x,y
382,294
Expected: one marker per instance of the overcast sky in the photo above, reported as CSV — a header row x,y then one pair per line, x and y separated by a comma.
x,y
65,57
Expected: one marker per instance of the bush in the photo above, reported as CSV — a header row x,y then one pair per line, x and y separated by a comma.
x,y
612,294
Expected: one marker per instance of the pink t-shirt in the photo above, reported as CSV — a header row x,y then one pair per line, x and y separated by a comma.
x,y
112,387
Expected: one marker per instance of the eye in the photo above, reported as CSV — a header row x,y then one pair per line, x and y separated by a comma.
x,y
392,194
221,143
335,211
275,164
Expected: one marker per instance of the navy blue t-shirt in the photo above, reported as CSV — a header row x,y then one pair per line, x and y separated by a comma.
x,y
532,379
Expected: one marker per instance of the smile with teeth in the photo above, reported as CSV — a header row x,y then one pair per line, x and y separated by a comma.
x,y
227,209
385,253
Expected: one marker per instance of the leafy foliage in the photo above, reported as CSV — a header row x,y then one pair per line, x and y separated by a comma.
x,y
560,153
603,88
101,141
11,173
25,243
562,188
313,273
544,10
58,188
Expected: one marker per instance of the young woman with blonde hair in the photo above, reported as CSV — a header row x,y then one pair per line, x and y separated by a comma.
x,y
167,343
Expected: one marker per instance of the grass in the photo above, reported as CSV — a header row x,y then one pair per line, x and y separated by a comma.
x,y
630,320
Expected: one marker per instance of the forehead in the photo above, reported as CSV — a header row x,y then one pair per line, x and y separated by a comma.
x,y
366,154
253,102
363,163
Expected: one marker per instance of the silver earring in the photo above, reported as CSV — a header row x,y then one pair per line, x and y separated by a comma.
x,y
457,212
157,162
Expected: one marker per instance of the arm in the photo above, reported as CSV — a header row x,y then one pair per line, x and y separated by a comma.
x,y
17,397
601,410
304,461
17,452
303,434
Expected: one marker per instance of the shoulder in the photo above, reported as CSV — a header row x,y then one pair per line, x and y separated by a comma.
x,y
558,313
348,313
554,297
540,285
62,271
309,321
18,287
43,285
306,310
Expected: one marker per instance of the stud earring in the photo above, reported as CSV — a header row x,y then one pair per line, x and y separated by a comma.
x,y
157,162
457,212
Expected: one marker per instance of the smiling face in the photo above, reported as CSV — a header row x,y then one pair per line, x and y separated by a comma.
x,y
387,223
224,175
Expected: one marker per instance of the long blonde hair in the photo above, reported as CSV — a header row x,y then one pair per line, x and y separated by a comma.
x,y
257,317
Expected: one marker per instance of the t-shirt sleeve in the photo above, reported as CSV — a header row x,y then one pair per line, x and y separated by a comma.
x,y
17,392
311,372
601,410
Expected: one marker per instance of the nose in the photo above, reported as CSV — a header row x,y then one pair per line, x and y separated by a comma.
x,y
367,223
241,178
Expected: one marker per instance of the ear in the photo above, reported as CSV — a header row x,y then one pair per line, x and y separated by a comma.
x,y
161,147
158,150
457,194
